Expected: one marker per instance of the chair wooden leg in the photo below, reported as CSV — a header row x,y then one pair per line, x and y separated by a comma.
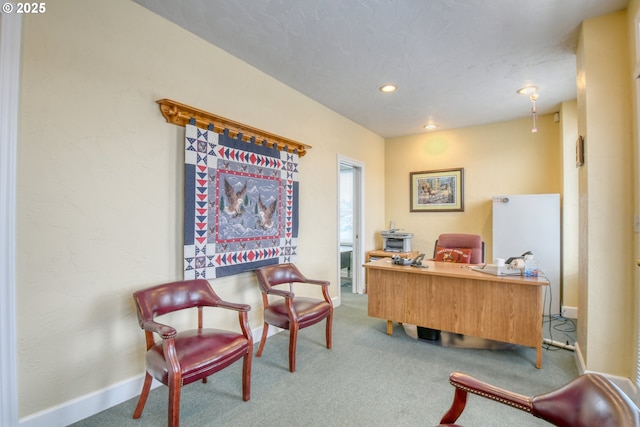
x,y
144,394
174,404
293,339
459,402
246,376
329,326
265,329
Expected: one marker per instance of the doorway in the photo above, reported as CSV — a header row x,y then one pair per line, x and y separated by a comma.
x,y
350,222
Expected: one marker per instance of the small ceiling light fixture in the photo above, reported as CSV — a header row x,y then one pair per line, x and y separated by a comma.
x,y
430,126
532,91
528,90
388,88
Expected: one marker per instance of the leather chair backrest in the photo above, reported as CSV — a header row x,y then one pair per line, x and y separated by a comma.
x,y
461,240
278,274
589,401
169,297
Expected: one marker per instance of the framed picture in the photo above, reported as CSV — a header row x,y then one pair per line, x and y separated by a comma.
x,y
437,190
580,151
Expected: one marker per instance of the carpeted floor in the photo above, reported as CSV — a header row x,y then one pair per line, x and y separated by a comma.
x,y
367,379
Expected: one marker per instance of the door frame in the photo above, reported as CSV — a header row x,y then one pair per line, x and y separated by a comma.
x,y
636,220
357,260
10,64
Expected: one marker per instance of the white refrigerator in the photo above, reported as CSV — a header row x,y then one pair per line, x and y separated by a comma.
x,y
531,222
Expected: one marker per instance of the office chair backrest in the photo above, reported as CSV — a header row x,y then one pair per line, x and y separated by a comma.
x,y
463,241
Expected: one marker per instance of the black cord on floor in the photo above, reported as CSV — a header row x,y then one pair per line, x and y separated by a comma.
x,y
559,323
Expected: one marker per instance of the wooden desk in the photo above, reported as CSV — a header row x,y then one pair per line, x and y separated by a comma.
x,y
381,253
452,297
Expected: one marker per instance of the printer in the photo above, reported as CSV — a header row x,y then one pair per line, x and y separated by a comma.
x,y
396,241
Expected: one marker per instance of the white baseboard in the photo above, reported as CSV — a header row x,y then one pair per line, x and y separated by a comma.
x,y
85,406
577,355
625,384
569,312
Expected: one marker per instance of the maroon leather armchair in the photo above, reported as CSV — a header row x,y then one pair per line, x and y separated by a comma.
x,y
183,357
590,400
288,311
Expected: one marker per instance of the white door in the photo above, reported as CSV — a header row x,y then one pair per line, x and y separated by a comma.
x,y
350,256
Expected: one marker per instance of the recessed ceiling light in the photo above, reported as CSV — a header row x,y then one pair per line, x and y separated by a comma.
x,y
430,126
388,88
528,90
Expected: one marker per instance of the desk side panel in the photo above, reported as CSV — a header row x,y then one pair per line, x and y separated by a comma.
x,y
386,294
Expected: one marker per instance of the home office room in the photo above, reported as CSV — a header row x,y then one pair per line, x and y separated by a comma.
x,y
95,206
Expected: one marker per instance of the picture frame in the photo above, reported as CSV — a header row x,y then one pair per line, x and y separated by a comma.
x,y
439,190
580,151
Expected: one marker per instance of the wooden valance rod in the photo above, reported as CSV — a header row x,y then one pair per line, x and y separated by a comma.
x,y
180,114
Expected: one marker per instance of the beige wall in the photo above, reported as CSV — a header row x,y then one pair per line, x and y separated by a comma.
x,y
569,135
606,198
100,184
500,158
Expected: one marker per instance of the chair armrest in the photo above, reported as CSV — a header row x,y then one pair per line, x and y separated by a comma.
x,y
466,384
317,282
233,306
481,388
164,331
280,293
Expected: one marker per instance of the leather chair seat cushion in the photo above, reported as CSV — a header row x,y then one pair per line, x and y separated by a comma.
x,y
207,350
309,311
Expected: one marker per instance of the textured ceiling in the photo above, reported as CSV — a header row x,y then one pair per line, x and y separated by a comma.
x,y
455,62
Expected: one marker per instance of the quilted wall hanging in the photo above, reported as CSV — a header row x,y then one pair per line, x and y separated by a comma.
x,y
240,204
